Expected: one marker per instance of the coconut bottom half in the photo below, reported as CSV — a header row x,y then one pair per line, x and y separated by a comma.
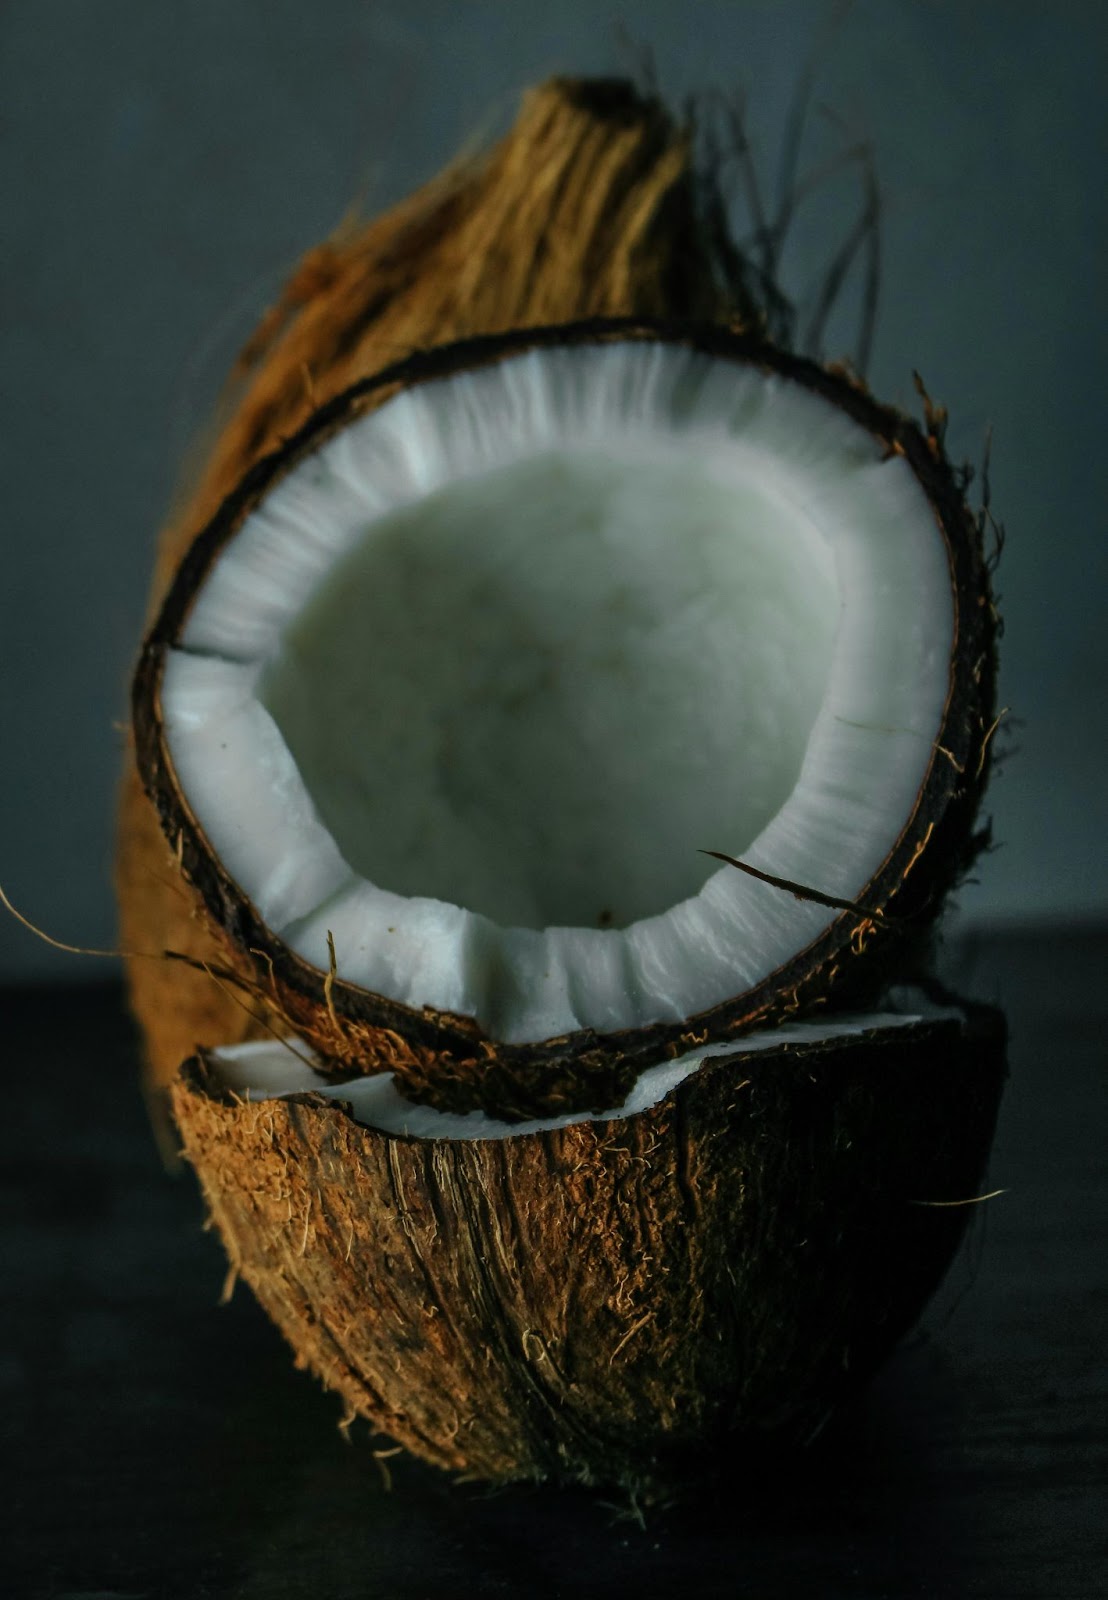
x,y
612,1298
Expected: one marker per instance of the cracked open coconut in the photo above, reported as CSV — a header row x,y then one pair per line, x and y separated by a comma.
x,y
551,754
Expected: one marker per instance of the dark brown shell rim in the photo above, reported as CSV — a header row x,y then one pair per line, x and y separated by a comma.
x,y
978,1027
446,1057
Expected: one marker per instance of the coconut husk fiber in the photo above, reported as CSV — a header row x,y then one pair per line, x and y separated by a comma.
x,y
590,206
620,1302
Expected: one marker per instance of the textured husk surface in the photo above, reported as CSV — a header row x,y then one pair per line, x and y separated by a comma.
x,y
636,1301
590,206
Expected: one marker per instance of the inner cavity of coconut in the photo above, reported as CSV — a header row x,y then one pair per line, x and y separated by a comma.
x,y
269,1069
528,693
475,683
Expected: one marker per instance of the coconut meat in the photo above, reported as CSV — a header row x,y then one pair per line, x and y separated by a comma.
x,y
473,686
269,1069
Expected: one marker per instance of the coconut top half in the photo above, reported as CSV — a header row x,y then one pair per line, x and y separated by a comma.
x,y
444,708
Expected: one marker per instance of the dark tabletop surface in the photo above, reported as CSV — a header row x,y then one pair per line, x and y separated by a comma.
x,y
157,1444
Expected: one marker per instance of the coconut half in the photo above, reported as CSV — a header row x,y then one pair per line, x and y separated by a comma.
x,y
446,705
713,1267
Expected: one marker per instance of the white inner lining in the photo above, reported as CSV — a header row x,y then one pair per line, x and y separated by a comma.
x,y
266,1070
535,692
785,613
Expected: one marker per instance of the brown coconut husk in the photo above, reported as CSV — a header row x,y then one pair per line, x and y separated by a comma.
x,y
610,1301
590,206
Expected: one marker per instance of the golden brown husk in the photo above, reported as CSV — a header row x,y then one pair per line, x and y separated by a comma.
x,y
609,1301
586,208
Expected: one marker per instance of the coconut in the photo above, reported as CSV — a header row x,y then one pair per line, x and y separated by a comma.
x,y
621,1298
541,731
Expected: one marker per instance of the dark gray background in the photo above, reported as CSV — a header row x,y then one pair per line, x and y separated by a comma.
x,y
163,164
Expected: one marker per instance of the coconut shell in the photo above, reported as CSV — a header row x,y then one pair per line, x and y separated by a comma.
x,y
447,1059
590,206
609,1301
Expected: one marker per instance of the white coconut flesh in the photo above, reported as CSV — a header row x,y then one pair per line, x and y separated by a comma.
x,y
477,681
269,1069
